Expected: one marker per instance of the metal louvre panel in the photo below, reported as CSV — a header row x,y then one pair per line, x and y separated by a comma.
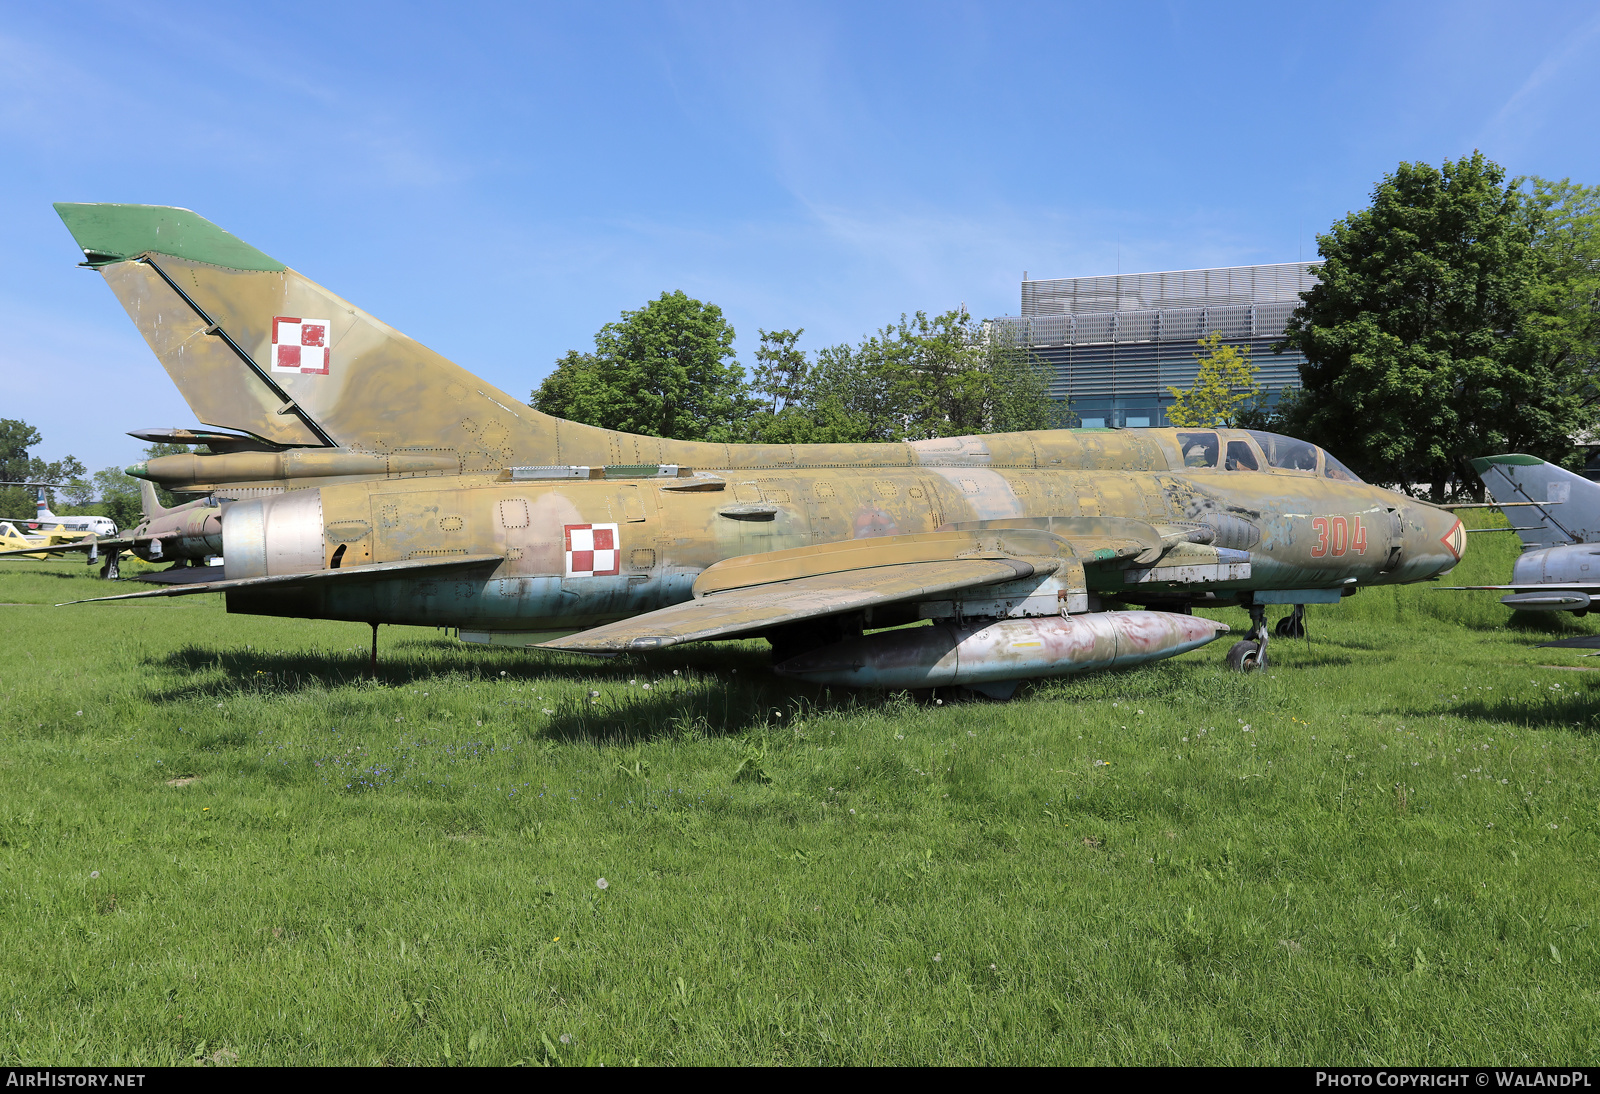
x,y
1168,289
1125,339
1112,370
1235,322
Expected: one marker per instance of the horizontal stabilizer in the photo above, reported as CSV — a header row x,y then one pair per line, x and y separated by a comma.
x,y
182,575
382,571
758,608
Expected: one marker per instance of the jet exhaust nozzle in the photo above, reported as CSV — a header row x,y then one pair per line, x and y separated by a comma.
x,y
1006,650
282,534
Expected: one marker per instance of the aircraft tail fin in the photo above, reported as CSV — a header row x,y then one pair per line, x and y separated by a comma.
x,y
1565,509
149,502
256,347
42,509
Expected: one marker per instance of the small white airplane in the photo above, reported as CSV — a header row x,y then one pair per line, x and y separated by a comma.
x,y
44,520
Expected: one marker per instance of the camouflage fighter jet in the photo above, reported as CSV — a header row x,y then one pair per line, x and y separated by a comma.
x,y
413,492
1557,517
187,535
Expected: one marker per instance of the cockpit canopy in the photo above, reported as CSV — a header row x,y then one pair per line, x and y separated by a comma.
x,y
1208,449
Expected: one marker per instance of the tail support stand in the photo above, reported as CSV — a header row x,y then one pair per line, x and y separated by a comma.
x,y
372,669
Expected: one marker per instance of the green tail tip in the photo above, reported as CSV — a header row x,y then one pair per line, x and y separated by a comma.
x,y
1511,459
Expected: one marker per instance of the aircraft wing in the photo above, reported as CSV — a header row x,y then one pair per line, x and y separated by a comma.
x,y
760,607
118,543
1539,597
350,575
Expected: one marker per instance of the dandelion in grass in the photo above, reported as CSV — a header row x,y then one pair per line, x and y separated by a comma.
x,y
594,694
94,874
602,884
853,813
938,957
566,1038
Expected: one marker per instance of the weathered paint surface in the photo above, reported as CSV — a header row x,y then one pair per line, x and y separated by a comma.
x,y
667,537
1013,649
395,453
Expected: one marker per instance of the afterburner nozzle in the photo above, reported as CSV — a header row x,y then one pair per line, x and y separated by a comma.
x,y
1007,649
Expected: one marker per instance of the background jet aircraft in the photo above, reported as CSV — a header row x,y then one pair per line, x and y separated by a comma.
x,y
186,535
43,518
415,493
1557,517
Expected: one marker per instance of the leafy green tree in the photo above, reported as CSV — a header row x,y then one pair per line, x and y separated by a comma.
x,y
1566,238
921,377
17,465
665,370
781,369
119,496
1224,389
1448,323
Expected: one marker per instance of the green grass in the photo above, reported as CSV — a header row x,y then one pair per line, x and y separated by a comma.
x,y
1394,863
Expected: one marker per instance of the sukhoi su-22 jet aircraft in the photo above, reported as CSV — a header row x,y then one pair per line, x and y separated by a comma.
x,y
406,490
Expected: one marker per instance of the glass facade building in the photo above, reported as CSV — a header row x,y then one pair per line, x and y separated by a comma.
x,y
1118,342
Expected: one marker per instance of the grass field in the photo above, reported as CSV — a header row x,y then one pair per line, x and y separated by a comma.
x,y
219,843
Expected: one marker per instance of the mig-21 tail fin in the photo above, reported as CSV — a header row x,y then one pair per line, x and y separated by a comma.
x,y
1553,505
149,502
255,346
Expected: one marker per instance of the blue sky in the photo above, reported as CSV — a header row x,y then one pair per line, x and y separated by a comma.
x,y
500,180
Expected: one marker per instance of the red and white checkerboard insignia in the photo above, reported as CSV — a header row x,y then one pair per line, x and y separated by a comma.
x,y
300,345
592,550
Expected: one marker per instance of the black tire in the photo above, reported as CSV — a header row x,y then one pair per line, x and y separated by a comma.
x,y
1246,656
1290,627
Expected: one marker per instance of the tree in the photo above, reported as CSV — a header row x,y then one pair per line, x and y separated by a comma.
x,y
919,378
119,496
1224,389
1448,323
665,370
17,465
781,369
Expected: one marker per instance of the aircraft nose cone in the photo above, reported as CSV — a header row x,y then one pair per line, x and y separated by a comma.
x,y
1445,538
138,470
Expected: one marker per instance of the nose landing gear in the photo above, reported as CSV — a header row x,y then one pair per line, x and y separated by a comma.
x,y
1250,655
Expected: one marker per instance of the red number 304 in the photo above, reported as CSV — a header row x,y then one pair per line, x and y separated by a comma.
x,y
1346,535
